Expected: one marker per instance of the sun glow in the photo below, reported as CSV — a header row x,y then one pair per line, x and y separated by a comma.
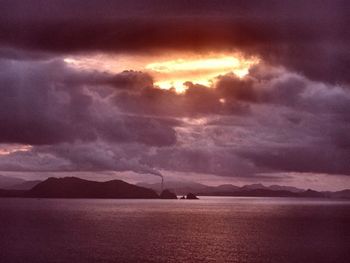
x,y
6,149
175,73
189,65
171,70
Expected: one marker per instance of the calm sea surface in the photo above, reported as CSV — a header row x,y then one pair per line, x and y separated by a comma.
x,y
212,229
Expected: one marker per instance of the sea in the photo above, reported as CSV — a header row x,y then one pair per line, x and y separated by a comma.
x,y
212,229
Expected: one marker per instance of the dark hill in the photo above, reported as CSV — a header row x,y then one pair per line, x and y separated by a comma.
x,y
166,194
341,194
72,187
191,196
311,193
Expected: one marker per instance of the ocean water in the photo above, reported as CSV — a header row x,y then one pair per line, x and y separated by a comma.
x,y
213,229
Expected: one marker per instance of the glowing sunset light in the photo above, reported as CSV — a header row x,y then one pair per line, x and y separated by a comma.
x,y
222,100
201,64
6,149
174,73
171,70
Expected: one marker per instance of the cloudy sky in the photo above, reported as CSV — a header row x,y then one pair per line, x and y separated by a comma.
x,y
209,91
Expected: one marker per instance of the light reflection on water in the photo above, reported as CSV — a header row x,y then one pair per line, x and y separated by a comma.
x,y
213,229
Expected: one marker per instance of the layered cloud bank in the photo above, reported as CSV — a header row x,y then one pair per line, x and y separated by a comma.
x,y
289,115
309,37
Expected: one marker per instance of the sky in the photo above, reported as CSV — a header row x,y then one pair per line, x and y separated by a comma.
x,y
207,91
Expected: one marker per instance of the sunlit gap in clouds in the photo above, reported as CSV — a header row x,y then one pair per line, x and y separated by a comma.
x,y
171,70
6,149
200,70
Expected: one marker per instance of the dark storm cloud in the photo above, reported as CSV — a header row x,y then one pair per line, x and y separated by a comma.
x,y
20,54
301,125
196,101
131,80
260,123
231,95
291,113
285,114
49,103
307,36
100,156
150,131
294,124
223,162
312,159
95,156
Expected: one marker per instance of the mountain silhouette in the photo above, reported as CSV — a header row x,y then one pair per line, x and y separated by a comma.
x,y
166,194
72,187
184,187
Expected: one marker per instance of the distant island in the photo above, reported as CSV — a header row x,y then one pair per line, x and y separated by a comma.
x,y
73,187
251,190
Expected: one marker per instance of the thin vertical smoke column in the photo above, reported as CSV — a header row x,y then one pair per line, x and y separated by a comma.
x,y
156,173
162,185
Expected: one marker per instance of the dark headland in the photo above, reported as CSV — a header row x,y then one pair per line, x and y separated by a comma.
x,y
72,187
166,194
